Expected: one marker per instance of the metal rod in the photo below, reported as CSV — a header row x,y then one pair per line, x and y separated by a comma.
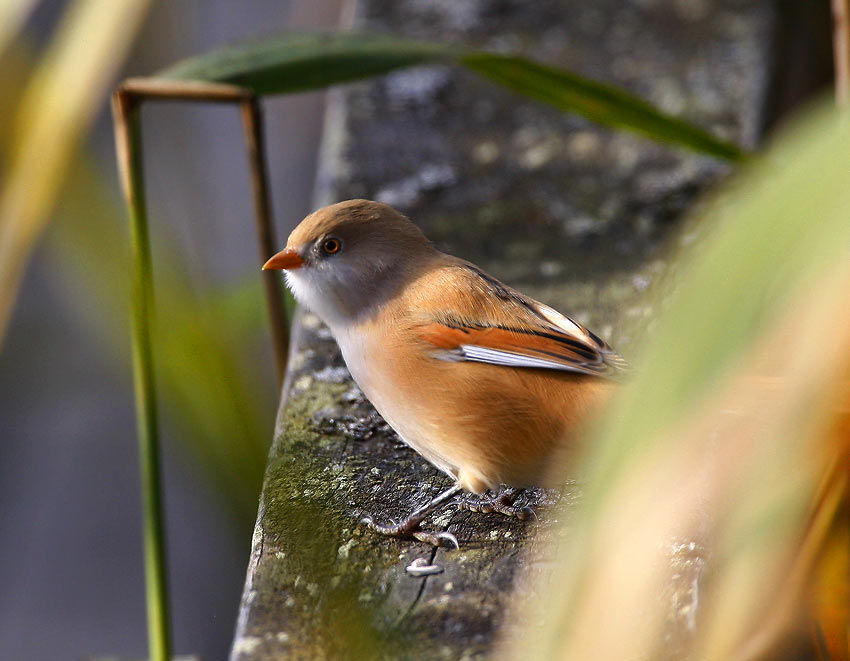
x,y
128,140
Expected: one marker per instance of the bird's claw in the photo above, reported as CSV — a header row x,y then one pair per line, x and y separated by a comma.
x,y
442,538
410,528
391,529
500,505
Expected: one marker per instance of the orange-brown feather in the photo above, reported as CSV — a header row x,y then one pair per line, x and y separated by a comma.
x,y
496,424
488,424
552,346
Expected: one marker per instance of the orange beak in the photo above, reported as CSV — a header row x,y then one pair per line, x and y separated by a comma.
x,y
285,259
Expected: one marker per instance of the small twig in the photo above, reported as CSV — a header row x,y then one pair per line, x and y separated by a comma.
x,y
187,90
841,51
252,122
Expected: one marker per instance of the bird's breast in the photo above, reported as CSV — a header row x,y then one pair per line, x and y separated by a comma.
x,y
482,424
389,379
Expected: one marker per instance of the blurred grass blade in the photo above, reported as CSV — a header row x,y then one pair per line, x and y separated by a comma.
x,y
297,62
725,437
596,101
13,14
65,92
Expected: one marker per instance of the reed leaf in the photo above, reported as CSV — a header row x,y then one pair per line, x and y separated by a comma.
x,y
304,61
598,102
297,62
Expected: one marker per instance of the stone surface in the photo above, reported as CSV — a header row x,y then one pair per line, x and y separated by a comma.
x,y
573,214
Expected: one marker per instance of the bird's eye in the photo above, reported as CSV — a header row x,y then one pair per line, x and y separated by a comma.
x,y
331,246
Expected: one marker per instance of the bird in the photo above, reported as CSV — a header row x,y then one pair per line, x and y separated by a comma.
x,y
488,384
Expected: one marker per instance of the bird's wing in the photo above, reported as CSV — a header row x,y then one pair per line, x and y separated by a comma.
x,y
495,324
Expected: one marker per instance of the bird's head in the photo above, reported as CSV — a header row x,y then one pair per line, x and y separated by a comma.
x,y
344,259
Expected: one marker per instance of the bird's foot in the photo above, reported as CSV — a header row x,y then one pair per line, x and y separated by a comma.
x,y
503,503
410,527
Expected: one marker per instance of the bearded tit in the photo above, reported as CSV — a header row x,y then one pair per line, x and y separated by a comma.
x,y
487,384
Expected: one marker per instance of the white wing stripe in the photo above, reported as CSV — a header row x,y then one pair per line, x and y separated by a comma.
x,y
479,354
562,322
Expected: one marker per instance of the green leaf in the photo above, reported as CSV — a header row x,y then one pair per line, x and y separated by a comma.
x,y
297,62
598,102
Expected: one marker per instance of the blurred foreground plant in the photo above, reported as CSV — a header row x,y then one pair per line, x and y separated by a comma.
x,y
734,437
60,100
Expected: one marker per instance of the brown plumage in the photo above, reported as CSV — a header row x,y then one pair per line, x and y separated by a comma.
x,y
486,383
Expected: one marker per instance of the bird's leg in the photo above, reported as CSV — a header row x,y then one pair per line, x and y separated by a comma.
x,y
503,503
410,526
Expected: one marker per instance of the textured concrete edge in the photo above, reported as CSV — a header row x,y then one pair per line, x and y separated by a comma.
x,y
328,161
240,634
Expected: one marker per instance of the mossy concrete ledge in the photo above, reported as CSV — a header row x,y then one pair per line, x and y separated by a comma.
x,y
571,213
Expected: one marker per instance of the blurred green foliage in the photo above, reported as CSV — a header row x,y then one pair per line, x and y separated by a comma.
x,y
727,435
